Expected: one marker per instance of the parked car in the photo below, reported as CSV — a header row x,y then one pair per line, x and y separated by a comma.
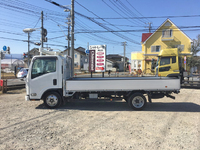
x,y
7,70
22,73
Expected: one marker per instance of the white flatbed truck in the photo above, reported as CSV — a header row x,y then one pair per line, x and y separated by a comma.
x,y
49,78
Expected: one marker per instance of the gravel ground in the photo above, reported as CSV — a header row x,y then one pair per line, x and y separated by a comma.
x,y
165,124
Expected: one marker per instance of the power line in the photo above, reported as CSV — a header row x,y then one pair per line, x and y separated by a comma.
x,y
87,28
116,11
136,9
155,17
15,33
13,39
37,22
126,9
103,26
189,28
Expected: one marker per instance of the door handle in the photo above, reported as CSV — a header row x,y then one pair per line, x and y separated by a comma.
x,y
54,81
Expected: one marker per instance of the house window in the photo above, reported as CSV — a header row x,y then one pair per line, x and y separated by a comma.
x,y
135,64
167,33
139,64
167,24
155,48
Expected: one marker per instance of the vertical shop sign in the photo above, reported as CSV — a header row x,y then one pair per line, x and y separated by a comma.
x,y
92,61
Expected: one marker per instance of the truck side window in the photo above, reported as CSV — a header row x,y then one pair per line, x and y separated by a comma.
x,y
164,61
43,66
173,59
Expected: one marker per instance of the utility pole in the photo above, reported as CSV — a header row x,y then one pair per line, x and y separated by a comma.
x,y
68,36
72,36
124,44
149,27
28,48
42,32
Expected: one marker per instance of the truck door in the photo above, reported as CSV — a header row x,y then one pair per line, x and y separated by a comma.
x,y
165,66
44,75
168,66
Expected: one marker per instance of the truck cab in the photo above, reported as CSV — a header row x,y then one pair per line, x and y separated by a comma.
x,y
169,63
46,73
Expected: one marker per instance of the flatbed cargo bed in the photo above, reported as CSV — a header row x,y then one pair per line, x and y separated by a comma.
x,y
123,84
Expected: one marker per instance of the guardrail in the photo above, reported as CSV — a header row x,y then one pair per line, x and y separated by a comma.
x,y
3,86
191,84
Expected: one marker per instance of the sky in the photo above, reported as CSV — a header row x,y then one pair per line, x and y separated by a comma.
x,y
97,22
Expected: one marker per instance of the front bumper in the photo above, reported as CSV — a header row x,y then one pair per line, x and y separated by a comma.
x,y
27,98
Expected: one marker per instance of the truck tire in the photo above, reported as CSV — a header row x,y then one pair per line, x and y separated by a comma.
x,y
137,101
52,100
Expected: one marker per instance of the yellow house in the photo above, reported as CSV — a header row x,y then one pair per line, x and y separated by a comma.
x,y
168,35
137,59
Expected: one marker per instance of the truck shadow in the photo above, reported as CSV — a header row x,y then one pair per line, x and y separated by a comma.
x,y
123,106
173,107
98,106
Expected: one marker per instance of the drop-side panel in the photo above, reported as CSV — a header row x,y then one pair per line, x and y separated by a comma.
x,y
122,84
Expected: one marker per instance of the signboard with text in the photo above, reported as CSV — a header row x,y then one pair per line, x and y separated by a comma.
x,y
92,61
100,57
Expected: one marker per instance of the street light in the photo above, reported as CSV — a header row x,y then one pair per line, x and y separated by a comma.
x,y
28,30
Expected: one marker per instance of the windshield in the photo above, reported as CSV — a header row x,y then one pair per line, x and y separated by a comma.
x,y
43,66
164,61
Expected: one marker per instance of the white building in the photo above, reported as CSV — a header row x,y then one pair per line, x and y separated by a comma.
x,y
11,63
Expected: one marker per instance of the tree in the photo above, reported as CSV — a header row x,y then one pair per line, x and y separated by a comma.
x,y
194,60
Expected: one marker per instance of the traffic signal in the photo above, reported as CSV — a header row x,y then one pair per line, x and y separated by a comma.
x,y
2,55
8,50
24,55
44,34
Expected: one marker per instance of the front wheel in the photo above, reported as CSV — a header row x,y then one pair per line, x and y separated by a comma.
x,y
137,101
52,100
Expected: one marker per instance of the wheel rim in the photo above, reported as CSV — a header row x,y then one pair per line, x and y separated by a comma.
x,y
138,102
52,100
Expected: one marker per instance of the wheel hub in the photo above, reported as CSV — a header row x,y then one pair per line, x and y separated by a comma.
x,y
138,102
52,100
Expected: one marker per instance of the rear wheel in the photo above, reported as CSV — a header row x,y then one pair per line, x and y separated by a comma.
x,y
52,100
137,101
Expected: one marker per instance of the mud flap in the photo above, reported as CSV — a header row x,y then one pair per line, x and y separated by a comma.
x,y
149,98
